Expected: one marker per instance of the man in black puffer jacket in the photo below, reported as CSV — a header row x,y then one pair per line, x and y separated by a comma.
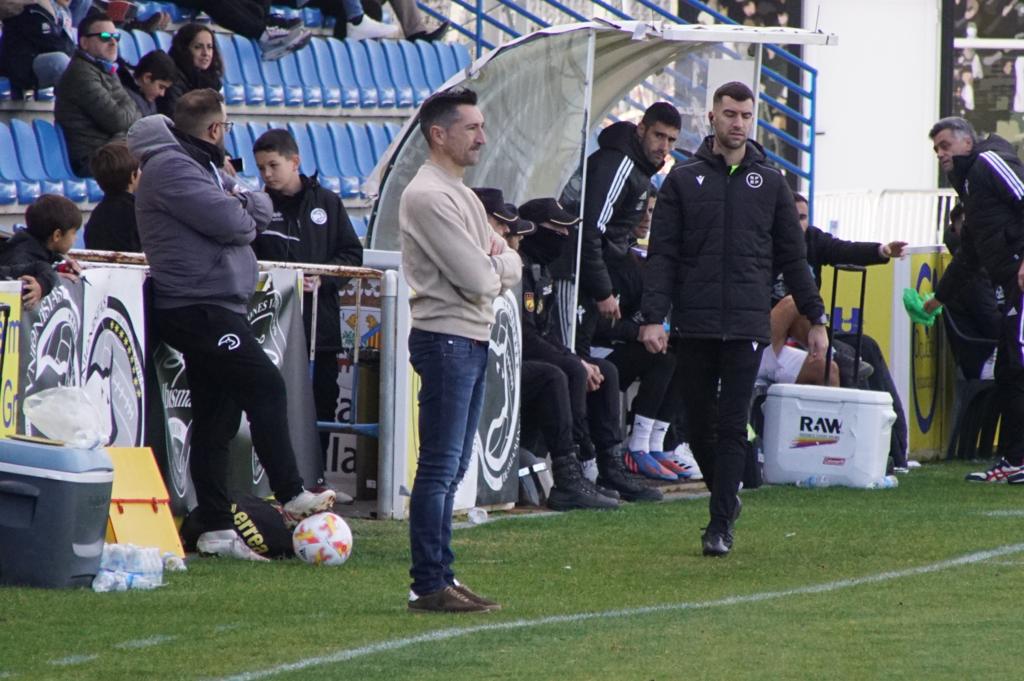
x,y
724,221
989,178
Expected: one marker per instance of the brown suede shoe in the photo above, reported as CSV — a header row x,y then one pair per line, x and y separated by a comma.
x,y
465,591
448,599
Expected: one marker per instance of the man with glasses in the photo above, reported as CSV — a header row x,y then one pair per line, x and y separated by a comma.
x,y
91,105
196,226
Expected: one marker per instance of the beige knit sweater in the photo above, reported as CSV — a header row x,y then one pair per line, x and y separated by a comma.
x,y
445,244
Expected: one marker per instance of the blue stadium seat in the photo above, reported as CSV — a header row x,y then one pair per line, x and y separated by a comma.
x,y
312,95
286,12
250,66
331,49
366,158
359,225
431,64
312,17
321,53
449,66
327,160
44,95
21,188
272,79
349,76
386,57
144,42
30,160
236,90
5,88
256,129
368,95
462,58
44,136
392,130
127,49
386,93
310,160
243,140
92,186
378,140
311,77
345,154
163,40
414,65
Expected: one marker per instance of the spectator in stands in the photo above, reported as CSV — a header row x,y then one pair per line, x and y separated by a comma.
x,y
195,53
593,383
37,45
309,225
457,266
547,406
149,80
723,220
197,226
351,21
91,105
51,224
112,226
249,18
989,178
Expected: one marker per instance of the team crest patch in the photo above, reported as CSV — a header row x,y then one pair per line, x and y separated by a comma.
x,y
528,302
754,180
318,216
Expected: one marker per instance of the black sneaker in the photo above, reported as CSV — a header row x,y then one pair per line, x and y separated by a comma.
x,y
612,474
572,491
448,599
716,544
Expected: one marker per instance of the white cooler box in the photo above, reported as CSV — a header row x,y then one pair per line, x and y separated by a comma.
x,y
837,432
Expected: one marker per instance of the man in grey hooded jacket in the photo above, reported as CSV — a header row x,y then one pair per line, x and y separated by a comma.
x,y
196,224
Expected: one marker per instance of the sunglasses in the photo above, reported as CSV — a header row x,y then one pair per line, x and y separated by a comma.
x,y
105,36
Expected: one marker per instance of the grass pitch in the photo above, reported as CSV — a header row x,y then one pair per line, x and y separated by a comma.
x,y
587,595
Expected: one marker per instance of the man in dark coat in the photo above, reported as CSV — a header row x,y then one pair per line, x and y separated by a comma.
x,y
90,103
36,46
989,178
724,221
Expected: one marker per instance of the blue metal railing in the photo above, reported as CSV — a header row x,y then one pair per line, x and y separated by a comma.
x,y
784,144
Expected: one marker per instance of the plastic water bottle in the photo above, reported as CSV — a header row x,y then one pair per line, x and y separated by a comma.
x,y
108,580
173,563
477,516
887,482
815,481
113,557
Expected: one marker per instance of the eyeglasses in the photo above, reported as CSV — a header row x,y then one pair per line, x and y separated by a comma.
x,y
227,125
105,36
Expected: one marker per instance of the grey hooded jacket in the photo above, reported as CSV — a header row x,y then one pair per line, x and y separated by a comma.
x,y
195,224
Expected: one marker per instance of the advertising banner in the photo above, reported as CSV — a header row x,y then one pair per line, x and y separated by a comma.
x,y
10,342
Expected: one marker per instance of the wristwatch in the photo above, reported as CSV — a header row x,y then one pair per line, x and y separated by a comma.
x,y
821,321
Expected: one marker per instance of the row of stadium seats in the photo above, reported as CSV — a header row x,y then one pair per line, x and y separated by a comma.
x,y
34,160
311,16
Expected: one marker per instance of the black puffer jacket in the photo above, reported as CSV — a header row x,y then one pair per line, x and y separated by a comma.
x,y
27,35
825,249
716,238
990,182
618,178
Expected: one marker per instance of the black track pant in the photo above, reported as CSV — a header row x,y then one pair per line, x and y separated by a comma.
x,y
545,407
228,373
595,415
245,17
1009,375
653,397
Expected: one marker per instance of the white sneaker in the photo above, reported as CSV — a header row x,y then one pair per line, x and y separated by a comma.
x,y
682,456
277,42
228,544
589,469
306,504
369,29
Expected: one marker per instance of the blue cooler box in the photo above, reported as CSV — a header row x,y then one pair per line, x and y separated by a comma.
x,y
54,502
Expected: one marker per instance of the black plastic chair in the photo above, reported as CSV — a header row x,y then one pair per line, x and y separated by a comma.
x,y
975,411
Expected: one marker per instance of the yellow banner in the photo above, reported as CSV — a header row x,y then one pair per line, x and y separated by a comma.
x,y
10,296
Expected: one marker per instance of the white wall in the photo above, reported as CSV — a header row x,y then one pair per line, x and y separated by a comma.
x,y
878,93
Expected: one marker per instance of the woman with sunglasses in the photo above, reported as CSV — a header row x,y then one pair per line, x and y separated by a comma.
x,y
90,103
195,53
37,45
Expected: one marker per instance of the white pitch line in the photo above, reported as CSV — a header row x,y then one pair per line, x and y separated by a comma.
x,y
72,659
446,634
144,642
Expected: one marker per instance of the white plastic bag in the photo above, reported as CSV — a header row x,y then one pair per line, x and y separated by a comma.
x,y
67,414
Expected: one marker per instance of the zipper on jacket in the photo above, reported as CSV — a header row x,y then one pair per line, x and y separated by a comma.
x,y
725,240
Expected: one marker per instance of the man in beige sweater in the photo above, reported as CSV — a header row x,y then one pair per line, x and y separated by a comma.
x,y
456,266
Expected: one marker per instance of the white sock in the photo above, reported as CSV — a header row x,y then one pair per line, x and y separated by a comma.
x,y
658,431
641,435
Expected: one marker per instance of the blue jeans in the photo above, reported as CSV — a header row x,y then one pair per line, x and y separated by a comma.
x,y
49,67
452,372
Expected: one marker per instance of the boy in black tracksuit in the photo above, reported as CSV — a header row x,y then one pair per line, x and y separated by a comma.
x,y
309,225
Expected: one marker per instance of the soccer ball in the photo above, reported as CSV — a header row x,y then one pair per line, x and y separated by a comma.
x,y
323,539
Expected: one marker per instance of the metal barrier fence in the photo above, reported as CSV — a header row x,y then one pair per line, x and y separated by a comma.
x,y
788,85
384,429
917,217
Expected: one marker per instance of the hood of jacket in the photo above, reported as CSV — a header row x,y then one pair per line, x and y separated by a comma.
x,y
150,134
622,137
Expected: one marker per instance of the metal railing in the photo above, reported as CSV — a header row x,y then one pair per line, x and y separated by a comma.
x,y
788,84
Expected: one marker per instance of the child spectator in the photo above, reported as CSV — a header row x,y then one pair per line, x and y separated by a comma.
x,y
52,222
37,45
112,227
149,80
309,225
198,63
